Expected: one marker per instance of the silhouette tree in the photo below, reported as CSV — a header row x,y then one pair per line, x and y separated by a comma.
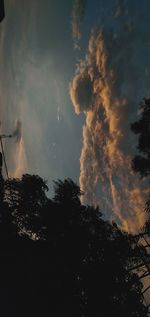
x,y
7,227
93,260
141,162
67,192
27,197
80,265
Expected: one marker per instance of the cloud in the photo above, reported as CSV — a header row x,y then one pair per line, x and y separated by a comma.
x,y
106,176
17,133
20,162
19,156
121,9
82,91
78,12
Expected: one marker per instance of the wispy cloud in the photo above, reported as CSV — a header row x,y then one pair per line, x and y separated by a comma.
x,y
17,133
78,12
21,165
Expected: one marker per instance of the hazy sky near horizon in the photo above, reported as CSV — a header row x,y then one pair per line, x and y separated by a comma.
x,y
97,52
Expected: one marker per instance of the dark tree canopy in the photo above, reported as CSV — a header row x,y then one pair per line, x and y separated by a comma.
x,y
66,192
141,162
78,265
27,198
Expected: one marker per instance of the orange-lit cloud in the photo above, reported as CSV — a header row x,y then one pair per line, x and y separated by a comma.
x,y
106,176
20,167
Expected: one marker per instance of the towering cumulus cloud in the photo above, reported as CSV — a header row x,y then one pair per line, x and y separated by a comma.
x,y
106,87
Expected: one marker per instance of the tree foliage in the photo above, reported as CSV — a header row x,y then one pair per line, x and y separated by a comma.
x,y
141,162
27,198
78,265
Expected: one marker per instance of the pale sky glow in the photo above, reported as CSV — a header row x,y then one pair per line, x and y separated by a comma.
x,y
34,88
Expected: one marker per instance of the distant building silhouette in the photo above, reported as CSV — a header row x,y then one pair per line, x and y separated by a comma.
x,y
2,10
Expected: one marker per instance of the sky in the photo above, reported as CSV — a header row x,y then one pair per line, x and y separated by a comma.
x,y
72,75
37,63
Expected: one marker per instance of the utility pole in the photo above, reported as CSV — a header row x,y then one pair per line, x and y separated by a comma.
x,y
2,154
2,10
